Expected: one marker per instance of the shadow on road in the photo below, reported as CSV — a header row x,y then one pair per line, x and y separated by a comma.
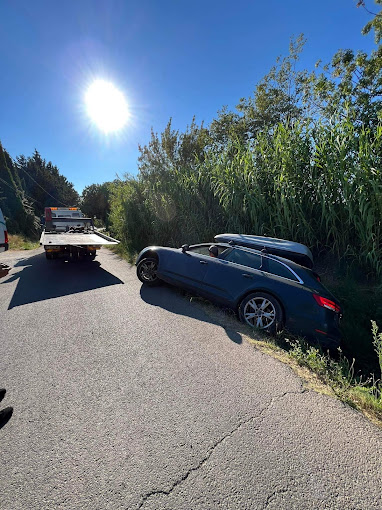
x,y
5,416
173,300
45,279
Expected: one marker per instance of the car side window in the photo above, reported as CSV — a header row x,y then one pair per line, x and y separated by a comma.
x,y
278,269
244,258
222,250
201,250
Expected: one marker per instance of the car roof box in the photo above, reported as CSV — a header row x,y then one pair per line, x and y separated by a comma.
x,y
297,252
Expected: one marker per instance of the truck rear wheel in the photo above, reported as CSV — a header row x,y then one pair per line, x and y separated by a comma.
x,y
48,255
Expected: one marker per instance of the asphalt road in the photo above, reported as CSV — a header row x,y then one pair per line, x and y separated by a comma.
x,y
132,398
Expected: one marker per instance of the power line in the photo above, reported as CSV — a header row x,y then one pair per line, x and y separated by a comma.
x,y
47,192
16,189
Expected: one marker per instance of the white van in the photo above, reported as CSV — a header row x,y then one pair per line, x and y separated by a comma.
x,y
3,234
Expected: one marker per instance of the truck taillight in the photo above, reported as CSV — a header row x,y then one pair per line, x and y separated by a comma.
x,y
6,237
326,303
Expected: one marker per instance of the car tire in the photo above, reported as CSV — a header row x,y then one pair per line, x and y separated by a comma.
x,y
263,311
147,271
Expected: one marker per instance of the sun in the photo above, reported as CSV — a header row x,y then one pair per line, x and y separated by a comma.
x,y
106,106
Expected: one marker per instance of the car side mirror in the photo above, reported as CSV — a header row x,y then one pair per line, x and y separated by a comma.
x,y
185,247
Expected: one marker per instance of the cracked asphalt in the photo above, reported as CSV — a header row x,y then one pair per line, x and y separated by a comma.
x,y
133,398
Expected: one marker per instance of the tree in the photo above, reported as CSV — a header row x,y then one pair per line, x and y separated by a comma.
x,y
43,182
278,96
374,24
16,207
171,150
95,201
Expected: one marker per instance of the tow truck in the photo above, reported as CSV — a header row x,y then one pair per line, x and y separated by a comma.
x,y
69,234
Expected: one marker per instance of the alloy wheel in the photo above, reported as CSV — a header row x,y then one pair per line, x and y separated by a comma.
x,y
259,312
148,270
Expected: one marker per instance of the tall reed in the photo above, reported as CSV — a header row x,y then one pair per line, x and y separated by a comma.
x,y
320,185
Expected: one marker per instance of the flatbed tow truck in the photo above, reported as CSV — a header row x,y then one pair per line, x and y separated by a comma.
x,y
69,234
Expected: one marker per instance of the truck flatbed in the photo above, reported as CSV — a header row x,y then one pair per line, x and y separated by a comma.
x,y
76,239
72,237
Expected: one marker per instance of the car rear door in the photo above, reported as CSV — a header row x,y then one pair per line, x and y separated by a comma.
x,y
228,279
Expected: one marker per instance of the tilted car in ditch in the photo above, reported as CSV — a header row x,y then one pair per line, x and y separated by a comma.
x,y
247,273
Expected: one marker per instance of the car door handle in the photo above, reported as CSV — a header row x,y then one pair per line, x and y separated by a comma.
x,y
203,262
246,275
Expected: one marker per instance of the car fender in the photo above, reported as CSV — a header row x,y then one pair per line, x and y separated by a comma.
x,y
158,252
150,251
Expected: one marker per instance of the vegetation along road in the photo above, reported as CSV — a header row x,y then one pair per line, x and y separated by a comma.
x,y
131,397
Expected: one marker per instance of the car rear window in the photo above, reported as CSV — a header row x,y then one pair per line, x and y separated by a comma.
x,y
244,258
278,269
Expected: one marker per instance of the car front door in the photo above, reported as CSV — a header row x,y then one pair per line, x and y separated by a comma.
x,y
186,269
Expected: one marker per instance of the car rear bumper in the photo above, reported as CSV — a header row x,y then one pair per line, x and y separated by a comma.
x,y
327,340
321,327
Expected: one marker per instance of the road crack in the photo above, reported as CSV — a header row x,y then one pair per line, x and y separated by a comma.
x,y
274,494
213,447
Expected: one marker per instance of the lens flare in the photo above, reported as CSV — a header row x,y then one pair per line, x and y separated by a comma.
x,y
106,106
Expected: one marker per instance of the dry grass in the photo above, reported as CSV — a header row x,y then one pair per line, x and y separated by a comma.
x,y
18,242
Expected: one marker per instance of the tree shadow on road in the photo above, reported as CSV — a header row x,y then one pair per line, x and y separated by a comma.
x,y
174,300
41,279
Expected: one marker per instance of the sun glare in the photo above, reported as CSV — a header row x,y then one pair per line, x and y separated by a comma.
x,y
106,106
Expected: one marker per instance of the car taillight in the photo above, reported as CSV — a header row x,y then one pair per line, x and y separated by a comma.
x,y
6,237
326,303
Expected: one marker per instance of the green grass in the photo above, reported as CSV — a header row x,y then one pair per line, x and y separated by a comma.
x,y
339,376
18,242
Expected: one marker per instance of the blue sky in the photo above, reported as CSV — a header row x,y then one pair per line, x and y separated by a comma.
x,y
170,58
